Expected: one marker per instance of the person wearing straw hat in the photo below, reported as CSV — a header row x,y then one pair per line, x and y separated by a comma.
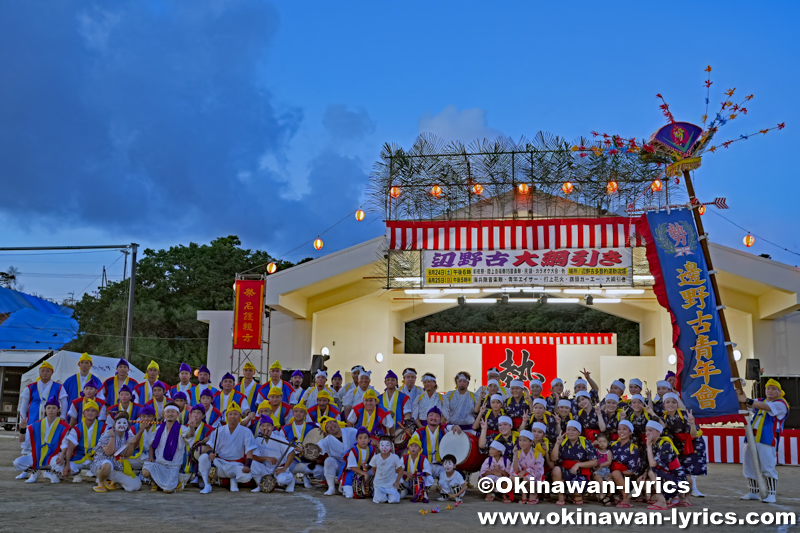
x,y
33,398
74,384
232,451
769,416
40,441
309,397
78,452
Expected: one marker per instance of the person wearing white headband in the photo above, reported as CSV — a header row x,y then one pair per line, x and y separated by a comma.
x,y
540,414
536,388
664,462
461,403
638,416
495,466
427,400
582,384
687,437
489,413
662,387
611,414
492,377
528,464
628,461
409,387
589,417
505,435
350,387
309,397
166,452
515,405
355,396
635,386
557,393
576,457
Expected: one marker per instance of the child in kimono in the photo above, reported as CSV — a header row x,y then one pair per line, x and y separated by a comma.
x,y
529,464
495,467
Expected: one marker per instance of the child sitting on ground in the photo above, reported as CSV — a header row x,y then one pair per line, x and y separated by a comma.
x,y
495,467
451,483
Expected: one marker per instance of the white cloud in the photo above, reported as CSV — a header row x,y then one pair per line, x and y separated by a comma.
x,y
452,124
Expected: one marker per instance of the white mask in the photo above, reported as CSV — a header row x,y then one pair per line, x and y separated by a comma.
x,y
448,466
385,446
121,425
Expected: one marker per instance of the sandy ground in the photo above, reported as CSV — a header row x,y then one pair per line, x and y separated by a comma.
x,y
62,507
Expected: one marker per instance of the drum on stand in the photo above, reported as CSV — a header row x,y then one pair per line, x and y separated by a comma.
x,y
464,447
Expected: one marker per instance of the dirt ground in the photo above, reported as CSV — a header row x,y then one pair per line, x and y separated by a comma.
x,y
62,507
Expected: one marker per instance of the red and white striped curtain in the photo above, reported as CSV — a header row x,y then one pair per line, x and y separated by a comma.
x,y
546,234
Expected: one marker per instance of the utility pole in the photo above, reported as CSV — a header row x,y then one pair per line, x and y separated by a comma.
x,y
131,291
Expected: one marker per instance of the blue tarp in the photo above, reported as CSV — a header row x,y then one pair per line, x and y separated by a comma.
x,y
34,323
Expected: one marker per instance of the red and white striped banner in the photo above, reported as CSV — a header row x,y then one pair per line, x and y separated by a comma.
x,y
726,445
522,338
546,234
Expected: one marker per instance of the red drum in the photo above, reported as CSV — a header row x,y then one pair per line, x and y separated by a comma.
x,y
464,447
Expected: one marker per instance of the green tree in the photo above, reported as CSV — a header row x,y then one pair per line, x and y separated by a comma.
x,y
514,318
171,286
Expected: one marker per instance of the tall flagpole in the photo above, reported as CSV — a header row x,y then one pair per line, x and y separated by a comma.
x,y
737,381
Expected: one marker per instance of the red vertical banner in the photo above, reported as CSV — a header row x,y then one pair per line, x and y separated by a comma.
x,y
247,315
523,362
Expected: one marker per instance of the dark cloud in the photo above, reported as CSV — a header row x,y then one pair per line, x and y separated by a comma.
x,y
347,125
154,118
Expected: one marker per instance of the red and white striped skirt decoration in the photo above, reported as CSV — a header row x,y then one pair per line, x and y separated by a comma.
x,y
726,445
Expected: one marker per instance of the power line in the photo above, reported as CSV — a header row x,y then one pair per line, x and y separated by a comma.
x,y
755,235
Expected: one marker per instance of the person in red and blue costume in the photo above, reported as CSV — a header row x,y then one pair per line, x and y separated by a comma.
x,y
323,408
198,435
74,384
295,430
203,383
33,398
213,415
125,404
227,396
112,386
75,411
356,462
770,414
41,441
144,390
184,385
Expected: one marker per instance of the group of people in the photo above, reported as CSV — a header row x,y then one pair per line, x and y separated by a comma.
x,y
385,444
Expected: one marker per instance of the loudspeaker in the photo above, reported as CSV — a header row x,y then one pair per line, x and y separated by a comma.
x,y
753,369
791,389
318,363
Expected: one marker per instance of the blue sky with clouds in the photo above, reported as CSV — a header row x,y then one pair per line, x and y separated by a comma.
x,y
164,122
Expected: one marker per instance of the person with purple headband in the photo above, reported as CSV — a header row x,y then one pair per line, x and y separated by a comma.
x,y
273,456
165,456
296,381
111,386
213,416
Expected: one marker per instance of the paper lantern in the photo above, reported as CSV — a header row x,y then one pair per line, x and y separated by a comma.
x,y
749,240
701,210
523,188
477,188
567,187
318,243
612,187
360,215
656,186
395,192
196,371
272,268
436,191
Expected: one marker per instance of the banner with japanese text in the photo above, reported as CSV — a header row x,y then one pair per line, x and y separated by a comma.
x,y
248,314
522,361
577,266
682,286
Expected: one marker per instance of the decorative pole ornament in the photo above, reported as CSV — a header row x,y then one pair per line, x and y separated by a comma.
x,y
318,243
612,187
272,268
749,240
360,215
